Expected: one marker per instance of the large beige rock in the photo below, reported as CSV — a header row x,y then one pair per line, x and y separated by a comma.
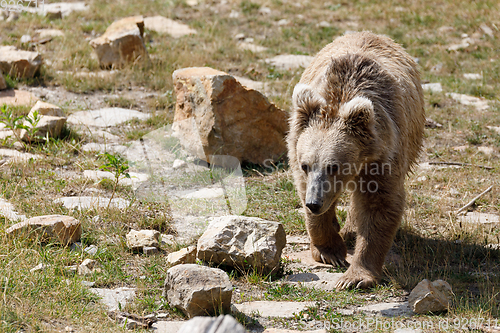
x,y
51,122
3,84
430,297
49,228
19,63
121,43
216,115
139,239
198,290
243,242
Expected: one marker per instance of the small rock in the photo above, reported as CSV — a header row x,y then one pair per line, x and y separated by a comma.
x,y
49,33
178,164
271,308
121,43
198,290
487,30
91,250
149,250
50,124
473,76
71,270
478,103
324,24
87,267
283,22
138,239
239,37
221,324
265,10
49,228
88,284
25,39
290,61
186,255
216,115
19,63
164,25
243,242
251,47
494,128
437,68
234,14
432,124
432,87
430,297
39,268
487,150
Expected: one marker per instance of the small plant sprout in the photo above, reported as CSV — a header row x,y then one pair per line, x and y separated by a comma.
x,y
118,166
18,123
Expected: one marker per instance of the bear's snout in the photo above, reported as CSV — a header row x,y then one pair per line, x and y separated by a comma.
x,y
314,207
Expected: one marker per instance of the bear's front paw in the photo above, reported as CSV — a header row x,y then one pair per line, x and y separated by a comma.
x,y
356,277
330,255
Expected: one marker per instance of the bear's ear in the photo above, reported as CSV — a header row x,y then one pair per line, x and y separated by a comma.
x,y
306,101
358,114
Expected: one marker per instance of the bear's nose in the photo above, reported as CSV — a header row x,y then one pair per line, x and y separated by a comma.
x,y
314,207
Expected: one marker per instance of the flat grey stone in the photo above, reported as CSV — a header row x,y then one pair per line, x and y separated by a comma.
x,y
481,218
432,87
205,193
220,324
478,103
167,326
104,147
272,309
320,280
92,202
473,76
112,297
290,61
105,117
387,309
163,25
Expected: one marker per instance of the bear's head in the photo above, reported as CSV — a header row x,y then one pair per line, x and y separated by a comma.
x,y
333,144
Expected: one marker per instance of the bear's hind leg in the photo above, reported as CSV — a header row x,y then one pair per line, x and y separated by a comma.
x,y
377,217
326,244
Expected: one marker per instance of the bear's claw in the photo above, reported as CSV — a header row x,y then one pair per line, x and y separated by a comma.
x,y
354,278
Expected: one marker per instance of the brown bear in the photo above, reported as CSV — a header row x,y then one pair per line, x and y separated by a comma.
x,y
357,125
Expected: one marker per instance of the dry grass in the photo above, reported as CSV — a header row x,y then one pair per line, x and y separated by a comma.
x,y
432,243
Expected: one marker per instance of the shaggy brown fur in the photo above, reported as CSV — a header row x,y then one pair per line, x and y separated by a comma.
x,y
357,125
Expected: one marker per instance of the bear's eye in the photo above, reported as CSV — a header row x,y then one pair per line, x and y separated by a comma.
x,y
331,169
305,168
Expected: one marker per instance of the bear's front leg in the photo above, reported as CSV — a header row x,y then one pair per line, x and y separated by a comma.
x,y
377,217
326,244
